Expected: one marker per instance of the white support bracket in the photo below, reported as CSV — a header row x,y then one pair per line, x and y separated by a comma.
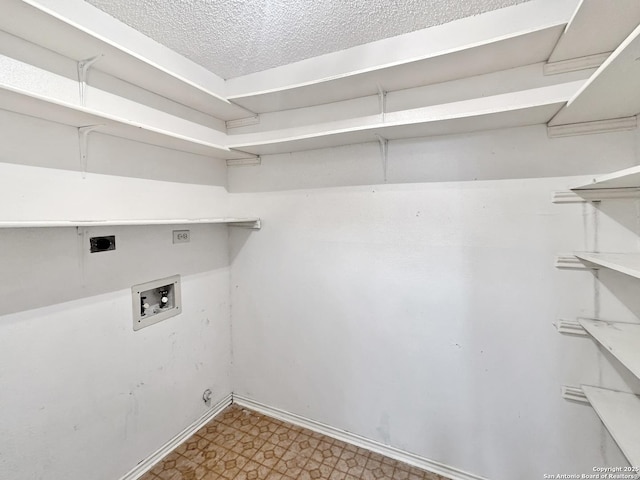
x,y
253,225
83,138
575,64
570,327
595,195
250,114
243,122
591,128
83,69
574,263
382,101
384,153
568,196
574,394
242,162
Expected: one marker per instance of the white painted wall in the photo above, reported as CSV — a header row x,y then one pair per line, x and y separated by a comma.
x,y
86,397
83,395
420,315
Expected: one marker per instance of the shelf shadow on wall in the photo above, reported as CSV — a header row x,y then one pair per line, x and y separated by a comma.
x,y
57,147
623,288
623,211
48,266
237,239
628,378
513,153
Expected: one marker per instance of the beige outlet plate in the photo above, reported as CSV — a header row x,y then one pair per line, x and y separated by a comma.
x,y
181,236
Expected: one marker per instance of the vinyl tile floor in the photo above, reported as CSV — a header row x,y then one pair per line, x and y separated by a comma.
x,y
241,444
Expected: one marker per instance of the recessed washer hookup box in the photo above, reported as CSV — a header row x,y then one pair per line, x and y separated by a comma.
x,y
156,301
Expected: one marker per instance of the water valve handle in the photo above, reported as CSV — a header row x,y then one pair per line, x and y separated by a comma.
x,y
143,306
164,298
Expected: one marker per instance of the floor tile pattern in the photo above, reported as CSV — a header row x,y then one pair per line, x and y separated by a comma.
x,y
241,444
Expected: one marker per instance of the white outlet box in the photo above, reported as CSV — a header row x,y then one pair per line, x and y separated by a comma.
x,y
181,236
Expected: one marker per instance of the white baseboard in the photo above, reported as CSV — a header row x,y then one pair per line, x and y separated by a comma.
x,y
357,440
148,463
391,452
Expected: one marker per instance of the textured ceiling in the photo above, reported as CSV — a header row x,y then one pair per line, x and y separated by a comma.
x,y
237,37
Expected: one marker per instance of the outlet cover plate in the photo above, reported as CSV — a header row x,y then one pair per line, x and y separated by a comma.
x,y
181,236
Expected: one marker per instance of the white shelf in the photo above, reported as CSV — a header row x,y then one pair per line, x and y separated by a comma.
x,y
245,222
81,32
29,103
628,178
612,24
620,413
627,263
529,107
621,339
495,54
616,185
611,92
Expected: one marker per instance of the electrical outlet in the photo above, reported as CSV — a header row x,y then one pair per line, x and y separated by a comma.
x,y
181,236
102,244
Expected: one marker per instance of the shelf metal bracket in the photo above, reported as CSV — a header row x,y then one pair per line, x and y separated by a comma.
x,y
83,134
567,197
575,64
243,122
382,101
253,225
590,128
595,195
242,162
384,153
574,263
574,394
83,69
570,327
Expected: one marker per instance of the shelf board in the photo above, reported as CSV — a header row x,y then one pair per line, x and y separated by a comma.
x,y
506,52
620,413
81,32
529,107
611,92
249,222
627,263
612,24
621,339
628,178
35,105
